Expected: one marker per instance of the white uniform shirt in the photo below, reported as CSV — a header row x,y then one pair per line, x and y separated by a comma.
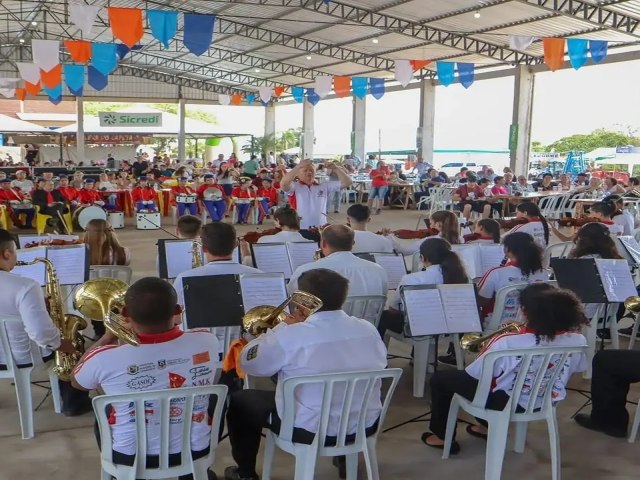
x,y
432,275
369,242
626,221
506,369
533,228
482,241
615,228
365,277
171,359
326,342
311,201
23,297
500,277
283,237
25,185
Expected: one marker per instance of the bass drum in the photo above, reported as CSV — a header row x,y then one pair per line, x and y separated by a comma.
x,y
83,215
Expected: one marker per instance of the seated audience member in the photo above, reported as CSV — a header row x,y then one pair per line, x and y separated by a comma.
x,y
499,187
269,198
322,343
288,221
509,183
22,183
613,187
144,196
434,179
524,265
150,305
16,203
188,227
444,221
441,266
553,317
536,225
622,216
546,184
593,189
522,186
581,180
88,195
462,174
262,174
564,182
50,202
358,216
123,182
365,277
486,231
471,197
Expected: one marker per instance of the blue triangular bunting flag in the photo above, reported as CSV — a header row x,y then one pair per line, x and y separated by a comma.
x,y
466,74
77,93
74,77
96,79
577,50
446,72
298,94
164,25
198,32
312,97
359,85
598,49
251,97
376,87
104,57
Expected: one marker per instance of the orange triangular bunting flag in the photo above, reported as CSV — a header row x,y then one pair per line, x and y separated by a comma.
x,y
277,91
553,52
79,50
20,93
126,24
32,89
342,86
419,64
236,99
52,78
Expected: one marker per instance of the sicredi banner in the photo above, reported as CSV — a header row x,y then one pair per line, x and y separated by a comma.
x,y
117,119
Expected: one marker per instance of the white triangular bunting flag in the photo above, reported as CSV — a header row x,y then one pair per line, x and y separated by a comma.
x,y
323,85
224,99
46,53
9,82
520,42
265,93
8,92
404,72
83,16
30,72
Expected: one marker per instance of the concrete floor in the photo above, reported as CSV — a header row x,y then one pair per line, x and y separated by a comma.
x,y
65,448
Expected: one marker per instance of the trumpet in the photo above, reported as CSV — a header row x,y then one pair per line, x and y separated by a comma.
x,y
102,299
264,317
475,342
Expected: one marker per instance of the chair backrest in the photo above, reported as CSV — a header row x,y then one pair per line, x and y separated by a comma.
x,y
174,407
537,373
556,250
5,347
120,272
367,307
366,384
506,307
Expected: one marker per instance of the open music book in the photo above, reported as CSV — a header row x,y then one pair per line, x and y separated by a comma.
x,y
175,256
232,295
478,259
440,309
392,263
282,257
71,263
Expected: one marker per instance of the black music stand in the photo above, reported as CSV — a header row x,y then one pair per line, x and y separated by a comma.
x,y
201,294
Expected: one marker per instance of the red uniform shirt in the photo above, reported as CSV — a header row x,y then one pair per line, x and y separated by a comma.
x,y
89,196
144,194
271,194
240,193
11,195
204,187
69,193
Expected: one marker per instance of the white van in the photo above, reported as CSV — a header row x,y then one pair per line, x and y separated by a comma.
x,y
453,168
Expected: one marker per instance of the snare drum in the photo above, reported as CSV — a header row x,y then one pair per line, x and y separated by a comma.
x,y
148,221
83,215
185,198
241,201
116,219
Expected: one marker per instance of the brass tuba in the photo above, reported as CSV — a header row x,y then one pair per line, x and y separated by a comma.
x,y
475,342
102,299
263,317
68,324
632,304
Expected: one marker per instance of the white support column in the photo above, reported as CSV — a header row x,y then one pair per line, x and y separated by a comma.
x,y
270,120
182,145
308,130
424,135
80,132
520,131
359,127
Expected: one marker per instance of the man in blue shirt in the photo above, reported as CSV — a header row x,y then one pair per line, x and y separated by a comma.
x,y
434,180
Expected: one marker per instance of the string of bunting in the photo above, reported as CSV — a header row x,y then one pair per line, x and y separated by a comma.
x,y
94,61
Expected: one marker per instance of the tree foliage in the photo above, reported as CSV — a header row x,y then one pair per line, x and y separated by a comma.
x,y
588,142
274,143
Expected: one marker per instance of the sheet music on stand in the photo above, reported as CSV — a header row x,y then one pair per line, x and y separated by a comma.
x,y
629,248
71,263
392,263
34,272
301,253
440,309
616,279
24,240
175,256
262,289
478,259
282,257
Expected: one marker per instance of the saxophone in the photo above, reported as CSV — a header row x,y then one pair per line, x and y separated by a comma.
x,y
196,254
68,324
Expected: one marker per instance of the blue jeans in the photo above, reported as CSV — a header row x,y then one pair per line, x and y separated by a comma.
x,y
184,207
243,212
378,192
152,207
216,209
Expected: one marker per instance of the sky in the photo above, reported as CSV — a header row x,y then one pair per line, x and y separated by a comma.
x,y
566,102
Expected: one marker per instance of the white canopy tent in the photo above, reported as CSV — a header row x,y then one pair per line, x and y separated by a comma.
x,y
15,125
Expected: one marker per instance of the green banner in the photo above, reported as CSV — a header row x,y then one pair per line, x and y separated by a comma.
x,y
513,137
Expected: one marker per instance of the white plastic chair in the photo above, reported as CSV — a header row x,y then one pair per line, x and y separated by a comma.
x,y
416,264
506,307
591,332
119,272
542,379
570,204
162,399
341,386
22,378
634,426
367,307
556,250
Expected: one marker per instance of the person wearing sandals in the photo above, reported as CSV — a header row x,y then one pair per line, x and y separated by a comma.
x,y
553,317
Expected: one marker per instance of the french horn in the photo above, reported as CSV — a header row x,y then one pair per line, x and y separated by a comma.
x,y
264,317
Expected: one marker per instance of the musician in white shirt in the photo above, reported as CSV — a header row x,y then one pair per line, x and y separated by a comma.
x,y
622,216
328,341
536,225
358,216
288,221
22,297
552,318
312,197
365,277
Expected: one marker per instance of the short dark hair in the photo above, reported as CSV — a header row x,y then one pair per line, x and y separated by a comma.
x,y
218,238
6,239
327,285
359,212
287,217
547,175
151,301
472,178
189,226
338,237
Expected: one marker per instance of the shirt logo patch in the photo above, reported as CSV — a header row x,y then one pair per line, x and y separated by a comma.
x,y
162,364
201,371
132,369
202,357
175,380
141,382
252,352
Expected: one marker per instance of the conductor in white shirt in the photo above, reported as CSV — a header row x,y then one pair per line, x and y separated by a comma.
x,y
311,196
328,341
365,277
22,297
358,216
